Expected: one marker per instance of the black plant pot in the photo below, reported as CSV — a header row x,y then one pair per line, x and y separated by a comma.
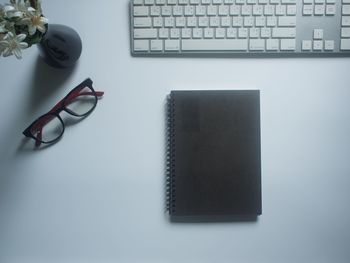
x,y
60,46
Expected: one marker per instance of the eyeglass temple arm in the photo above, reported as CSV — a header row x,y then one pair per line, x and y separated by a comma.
x,y
39,125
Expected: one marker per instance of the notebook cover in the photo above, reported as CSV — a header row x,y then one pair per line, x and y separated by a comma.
x,y
214,162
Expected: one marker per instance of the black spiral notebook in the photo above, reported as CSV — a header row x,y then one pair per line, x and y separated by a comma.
x,y
213,154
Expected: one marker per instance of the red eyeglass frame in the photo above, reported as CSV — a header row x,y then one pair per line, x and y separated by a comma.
x,y
39,123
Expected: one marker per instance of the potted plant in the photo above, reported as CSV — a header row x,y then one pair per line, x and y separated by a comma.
x,y
22,24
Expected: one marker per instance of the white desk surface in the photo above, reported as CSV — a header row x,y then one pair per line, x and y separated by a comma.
x,y
98,194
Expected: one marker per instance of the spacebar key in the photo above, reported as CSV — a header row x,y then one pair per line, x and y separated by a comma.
x,y
214,45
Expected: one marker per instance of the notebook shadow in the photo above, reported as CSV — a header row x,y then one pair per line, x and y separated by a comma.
x,y
215,219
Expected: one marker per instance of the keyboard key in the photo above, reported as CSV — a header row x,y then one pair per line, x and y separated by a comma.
x,y
271,21
155,10
174,33
156,45
319,10
140,10
345,44
280,10
224,10
189,10
243,32
260,21
345,21
138,2
257,10
225,22
291,10
164,33
257,44
172,45
269,10
200,10
141,45
329,45
254,33
203,22
169,22
220,33
272,44
180,22
149,2
287,21
208,33
283,33
346,10
186,32
318,45
142,22
265,32
197,33
306,45
292,2
330,10
145,33
212,10
157,22
235,10
288,44
166,10
248,21
308,10
237,21
191,22
318,33
215,45
345,32
231,32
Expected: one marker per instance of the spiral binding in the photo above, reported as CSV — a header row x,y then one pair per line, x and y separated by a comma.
x,y
170,159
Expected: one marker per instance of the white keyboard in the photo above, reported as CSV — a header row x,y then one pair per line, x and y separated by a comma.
x,y
240,27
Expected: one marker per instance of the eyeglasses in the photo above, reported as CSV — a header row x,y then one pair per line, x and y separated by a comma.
x,y
79,102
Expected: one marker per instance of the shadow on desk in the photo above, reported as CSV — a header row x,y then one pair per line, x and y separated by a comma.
x,y
46,81
214,219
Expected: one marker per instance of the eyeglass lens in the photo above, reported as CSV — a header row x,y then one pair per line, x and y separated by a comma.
x,y
52,128
82,103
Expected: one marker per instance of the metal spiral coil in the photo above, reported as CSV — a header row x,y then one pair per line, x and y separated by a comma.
x,y
170,158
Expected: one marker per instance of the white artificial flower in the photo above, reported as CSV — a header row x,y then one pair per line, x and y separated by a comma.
x,y
12,44
35,21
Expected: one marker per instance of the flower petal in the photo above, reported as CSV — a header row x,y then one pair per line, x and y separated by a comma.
x,y
18,53
8,8
7,52
41,28
9,35
23,45
21,37
31,10
31,29
44,20
24,21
